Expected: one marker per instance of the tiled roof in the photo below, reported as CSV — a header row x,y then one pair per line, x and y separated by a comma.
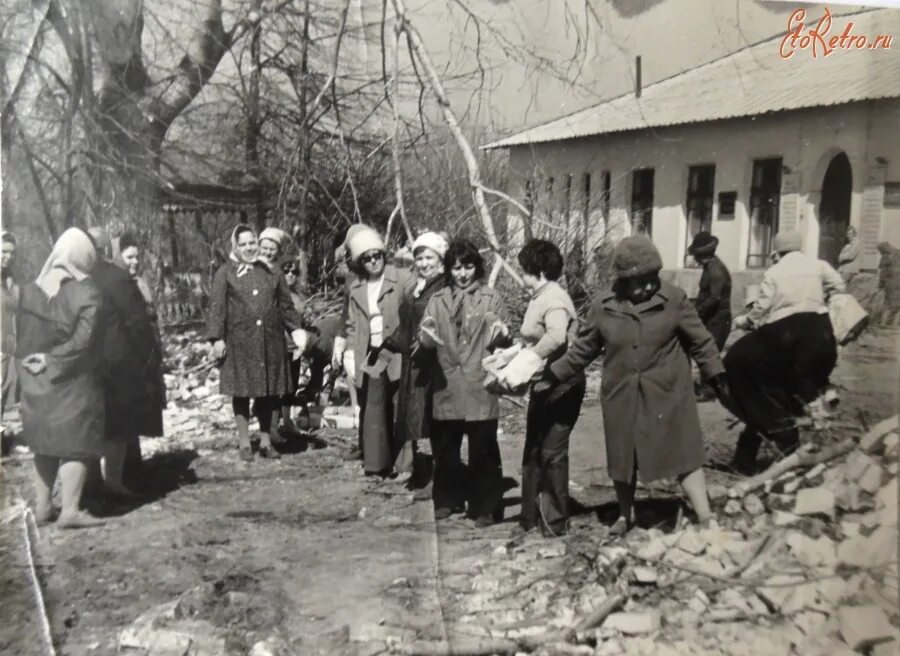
x,y
752,81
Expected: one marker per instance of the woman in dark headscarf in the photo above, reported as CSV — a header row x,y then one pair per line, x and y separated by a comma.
x,y
647,329
250,309
59,371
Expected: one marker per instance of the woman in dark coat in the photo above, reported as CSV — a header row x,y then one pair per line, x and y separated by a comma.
x,y
132,361
59,371
646,330
250,309
463,323
414,404
713,301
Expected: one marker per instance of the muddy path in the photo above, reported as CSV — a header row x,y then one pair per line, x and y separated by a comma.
x,y
308,548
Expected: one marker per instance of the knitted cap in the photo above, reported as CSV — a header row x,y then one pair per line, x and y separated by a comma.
x,y
636,256
787,240
432,241
363,239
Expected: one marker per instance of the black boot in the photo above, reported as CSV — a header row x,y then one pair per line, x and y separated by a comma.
x,y
744,461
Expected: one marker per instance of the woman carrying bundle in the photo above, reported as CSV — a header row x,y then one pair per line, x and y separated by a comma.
x,y
250,309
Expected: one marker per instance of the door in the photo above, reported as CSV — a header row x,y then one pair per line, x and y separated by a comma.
x,y
834,208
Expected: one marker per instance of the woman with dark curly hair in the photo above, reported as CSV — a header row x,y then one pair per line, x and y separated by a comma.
x,y
463,323
549,325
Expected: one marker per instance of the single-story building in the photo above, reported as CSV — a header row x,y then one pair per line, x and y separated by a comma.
x,y
744,146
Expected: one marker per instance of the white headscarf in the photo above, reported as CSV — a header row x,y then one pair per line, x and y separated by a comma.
x,y
73,257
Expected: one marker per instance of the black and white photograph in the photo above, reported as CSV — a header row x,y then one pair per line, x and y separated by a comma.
x,y
449,328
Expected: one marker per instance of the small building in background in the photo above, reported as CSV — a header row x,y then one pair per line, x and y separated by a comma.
x,y
742,147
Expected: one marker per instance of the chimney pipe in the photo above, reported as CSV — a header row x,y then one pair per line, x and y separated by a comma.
x,y
637,76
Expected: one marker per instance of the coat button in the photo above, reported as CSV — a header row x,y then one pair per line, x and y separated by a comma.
x,y
259,322
255,292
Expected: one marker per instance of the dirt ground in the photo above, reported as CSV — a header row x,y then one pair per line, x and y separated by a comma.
x,y
307,548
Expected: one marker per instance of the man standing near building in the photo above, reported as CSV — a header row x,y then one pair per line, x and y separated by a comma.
x,y
713,300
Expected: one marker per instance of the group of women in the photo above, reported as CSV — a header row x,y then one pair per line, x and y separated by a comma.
x,y
417,346
88,361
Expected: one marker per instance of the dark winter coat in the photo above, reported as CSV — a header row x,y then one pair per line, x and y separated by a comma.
x,y
357,326
713,301
63,406
459,392
251,313
414,399
131,356
646,392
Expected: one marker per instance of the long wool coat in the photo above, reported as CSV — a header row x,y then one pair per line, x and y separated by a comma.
x,y
459,392
647,393
251,313
131,356
357,325
414,400
63,406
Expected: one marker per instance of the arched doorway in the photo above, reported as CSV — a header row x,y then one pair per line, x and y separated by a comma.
x,y
834,208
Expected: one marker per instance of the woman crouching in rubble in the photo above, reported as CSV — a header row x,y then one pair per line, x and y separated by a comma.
x,y
250,308
646,328
785,363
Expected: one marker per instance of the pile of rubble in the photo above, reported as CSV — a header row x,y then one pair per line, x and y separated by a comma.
x,y
805,562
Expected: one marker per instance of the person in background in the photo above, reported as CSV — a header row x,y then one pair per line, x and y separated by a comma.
x,y
9,299
59,369
291,271
784,364
889,282
372,314
646,329
848,259
250,310
414,406
272,242
548,327
463,322
713,302
132,362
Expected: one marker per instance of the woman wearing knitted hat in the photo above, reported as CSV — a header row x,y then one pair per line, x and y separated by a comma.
x,y
785,363
415,395
647,330
373,313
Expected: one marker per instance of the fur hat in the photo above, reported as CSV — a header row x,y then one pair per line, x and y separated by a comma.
x,y
361,239
636,256
432,241
787,240
703,244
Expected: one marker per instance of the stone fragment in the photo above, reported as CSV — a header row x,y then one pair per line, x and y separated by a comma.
x,y
891,444
812,553
857,463
692,542
779,590
791,486
271,646
652,550
608,556
815,501
732,507
645,575
873,550
754,505
810,621
501,550
200,392
815,472
731,598
873,438
699,602
781,518
609,648
870,481
850,529
633,623
863,627
557,550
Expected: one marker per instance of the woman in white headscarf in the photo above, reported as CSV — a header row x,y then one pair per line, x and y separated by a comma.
x,y
58,365
413,420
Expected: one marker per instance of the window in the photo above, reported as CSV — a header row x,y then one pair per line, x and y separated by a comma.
x,y
605,196
550,200
699,204
642,202
765,197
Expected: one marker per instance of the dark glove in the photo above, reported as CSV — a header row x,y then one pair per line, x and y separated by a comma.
x,y
547,382
720,386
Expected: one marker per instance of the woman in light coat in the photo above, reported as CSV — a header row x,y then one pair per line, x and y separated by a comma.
x,y
647,331
59,364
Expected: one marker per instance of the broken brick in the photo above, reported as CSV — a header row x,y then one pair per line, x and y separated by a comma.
x,y
633,623
863,627
815,501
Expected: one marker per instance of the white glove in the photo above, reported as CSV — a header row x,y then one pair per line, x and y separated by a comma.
x,y
521,369
741,322
350,364
337,353
301,339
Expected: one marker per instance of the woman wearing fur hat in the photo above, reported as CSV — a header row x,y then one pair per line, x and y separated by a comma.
x,y
647,331
372,314
250,309
414,400
785,363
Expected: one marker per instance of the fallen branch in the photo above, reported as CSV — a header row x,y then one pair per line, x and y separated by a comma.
x,y
599,615
794,461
